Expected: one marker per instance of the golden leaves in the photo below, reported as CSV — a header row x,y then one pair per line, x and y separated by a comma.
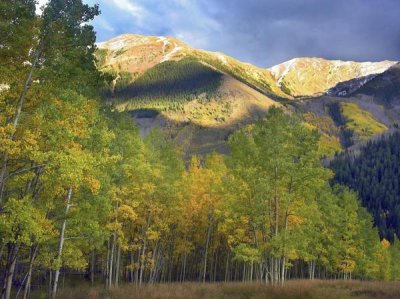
x,y
127,213
93,184
385,244
295,220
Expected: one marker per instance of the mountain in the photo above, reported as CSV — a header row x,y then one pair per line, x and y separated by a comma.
x,y
365,112
307,77
385,89
300,77
134,54
372,167
199,97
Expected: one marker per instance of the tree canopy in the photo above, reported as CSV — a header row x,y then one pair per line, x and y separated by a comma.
x,y
82,192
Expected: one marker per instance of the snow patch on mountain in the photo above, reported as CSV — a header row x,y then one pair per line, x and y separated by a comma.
x,y
123,41
368,68
175,50
365,72
115,45
165,42
283,69
345,88
222,58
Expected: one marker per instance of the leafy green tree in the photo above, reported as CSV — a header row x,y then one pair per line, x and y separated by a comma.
x,y
278,159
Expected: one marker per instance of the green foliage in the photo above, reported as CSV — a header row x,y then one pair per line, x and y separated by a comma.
x,y
17,28
22,223
246,254
81,190
329,143
101,55
67,47
374,174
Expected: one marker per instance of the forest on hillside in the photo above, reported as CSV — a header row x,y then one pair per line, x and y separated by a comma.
x,y
84,197
167,86
374,173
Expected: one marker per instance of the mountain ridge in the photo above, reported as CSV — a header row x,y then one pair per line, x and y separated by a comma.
x,y
292,77
205,95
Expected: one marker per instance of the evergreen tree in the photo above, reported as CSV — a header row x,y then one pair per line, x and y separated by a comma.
x,y
374,174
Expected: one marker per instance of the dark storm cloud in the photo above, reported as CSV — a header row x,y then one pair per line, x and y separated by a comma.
x,y
265,32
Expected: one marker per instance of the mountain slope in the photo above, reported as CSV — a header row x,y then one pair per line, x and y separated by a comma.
x,y
374,173
135,54
160,76
306,77
300,77
385,87
200,97
368,111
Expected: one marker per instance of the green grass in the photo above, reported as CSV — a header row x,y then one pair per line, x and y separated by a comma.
x,y
361,122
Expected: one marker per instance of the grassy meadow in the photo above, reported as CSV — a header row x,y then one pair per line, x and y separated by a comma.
x,y
296,289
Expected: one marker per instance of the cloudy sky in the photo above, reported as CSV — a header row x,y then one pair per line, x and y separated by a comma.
x,y
263,32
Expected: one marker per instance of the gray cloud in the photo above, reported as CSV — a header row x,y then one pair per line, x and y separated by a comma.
x,y
268,32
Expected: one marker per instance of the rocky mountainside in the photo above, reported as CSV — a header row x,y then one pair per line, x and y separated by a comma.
x,y
307,77
366,111
200,97
135,54
299,77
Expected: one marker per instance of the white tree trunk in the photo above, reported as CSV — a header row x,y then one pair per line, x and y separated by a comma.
x,y
206,252
29,277
10,272
111,272
61,243
117,266
16,117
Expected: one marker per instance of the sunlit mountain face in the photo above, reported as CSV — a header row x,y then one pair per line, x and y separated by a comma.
x,y
164,82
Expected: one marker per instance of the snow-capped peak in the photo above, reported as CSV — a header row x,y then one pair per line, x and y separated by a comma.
x,y
281,70
165,42
123,41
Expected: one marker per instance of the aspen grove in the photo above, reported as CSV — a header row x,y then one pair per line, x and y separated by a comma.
x,y
82,194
